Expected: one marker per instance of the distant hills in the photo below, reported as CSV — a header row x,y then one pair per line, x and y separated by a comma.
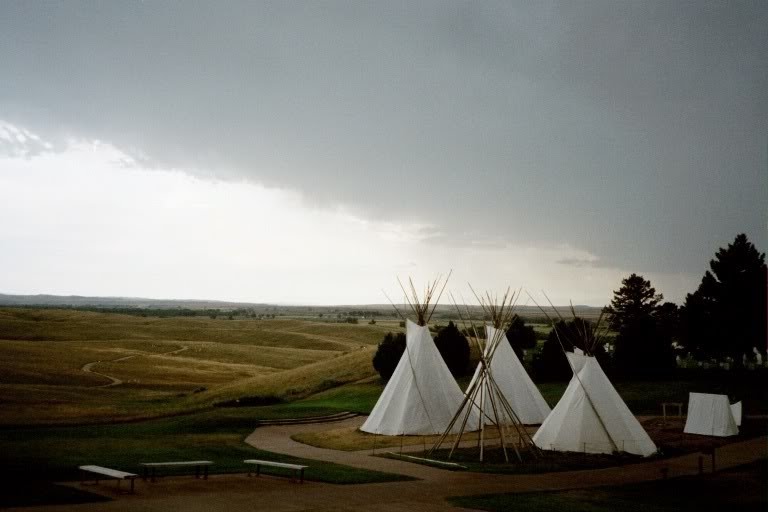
x,y
78,301
137,302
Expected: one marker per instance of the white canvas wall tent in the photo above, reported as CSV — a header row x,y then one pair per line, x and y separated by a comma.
x,y
711,415
514,382
422,396
591,417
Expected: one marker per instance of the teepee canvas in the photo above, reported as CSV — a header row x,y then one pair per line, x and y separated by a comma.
x,y
591,417
514,382
422,396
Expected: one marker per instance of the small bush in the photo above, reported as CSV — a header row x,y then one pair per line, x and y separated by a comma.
x,y
388,354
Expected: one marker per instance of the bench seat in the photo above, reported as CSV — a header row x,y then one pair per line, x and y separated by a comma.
x,y
109,473
298,468
151,467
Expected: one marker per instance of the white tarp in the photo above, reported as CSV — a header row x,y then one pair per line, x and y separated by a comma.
x,y
422,396
513,381
591,416
710,415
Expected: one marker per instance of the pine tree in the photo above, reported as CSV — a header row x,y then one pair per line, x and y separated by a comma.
x,y
635,300
726,315
642,345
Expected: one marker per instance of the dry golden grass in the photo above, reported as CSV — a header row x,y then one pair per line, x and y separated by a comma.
x,y
44,352
298,382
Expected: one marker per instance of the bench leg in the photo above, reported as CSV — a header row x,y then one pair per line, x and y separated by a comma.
x,y
197,472
302,476
133,481
258,469
146,474
205,473
83,479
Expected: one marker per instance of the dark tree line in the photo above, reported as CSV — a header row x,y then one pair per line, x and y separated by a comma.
x,y
450,342
724,318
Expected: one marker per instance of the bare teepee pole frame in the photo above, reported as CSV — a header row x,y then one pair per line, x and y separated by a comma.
x,y
483,390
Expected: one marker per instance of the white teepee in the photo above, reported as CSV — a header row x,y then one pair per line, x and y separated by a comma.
x,y
422,396
591,416
513,381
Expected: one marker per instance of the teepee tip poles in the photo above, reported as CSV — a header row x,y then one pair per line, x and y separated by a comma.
x,y
420,304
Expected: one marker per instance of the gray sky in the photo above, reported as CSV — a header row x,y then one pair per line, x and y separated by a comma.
x,y
634,134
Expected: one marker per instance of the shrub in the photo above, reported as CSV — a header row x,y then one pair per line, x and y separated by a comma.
x,y
388,354
454,348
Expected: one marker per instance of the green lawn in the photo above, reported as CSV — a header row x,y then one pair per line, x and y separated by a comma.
x,y
359,398
53,453
547,462
33,458
742,489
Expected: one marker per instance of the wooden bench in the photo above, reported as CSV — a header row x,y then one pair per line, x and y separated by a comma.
x,y
150,468
299,470
107,472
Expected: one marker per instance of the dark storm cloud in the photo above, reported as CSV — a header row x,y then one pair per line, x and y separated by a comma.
x,y
634,130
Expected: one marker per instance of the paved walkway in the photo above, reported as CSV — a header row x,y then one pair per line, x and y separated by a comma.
x,y
240,493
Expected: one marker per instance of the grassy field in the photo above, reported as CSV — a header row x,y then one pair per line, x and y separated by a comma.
x,y
173,365
57,364
740,489
33,456
351,439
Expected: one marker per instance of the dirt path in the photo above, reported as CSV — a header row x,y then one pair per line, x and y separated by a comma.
x,y
114,381
239,493
278,439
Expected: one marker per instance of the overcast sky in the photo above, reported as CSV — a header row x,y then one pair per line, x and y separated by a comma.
x,y
312,152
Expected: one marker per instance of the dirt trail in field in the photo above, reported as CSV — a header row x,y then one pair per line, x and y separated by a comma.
x,y
114,381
